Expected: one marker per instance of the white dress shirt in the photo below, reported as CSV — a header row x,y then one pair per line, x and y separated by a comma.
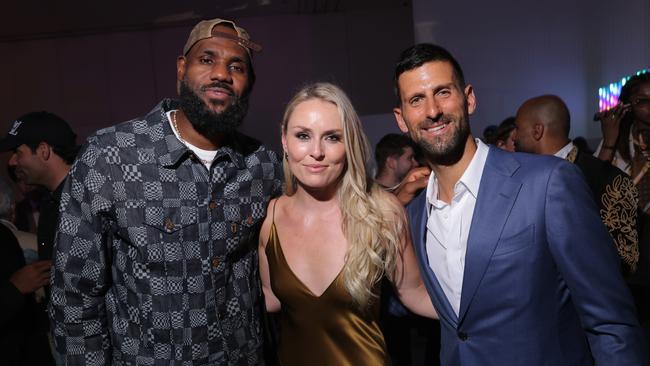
x,y
564,152
448,226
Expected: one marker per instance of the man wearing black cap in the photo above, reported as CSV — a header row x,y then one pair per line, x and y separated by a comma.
x,y
43,147
155,257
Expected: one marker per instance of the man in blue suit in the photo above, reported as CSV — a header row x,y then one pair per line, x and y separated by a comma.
x,y
511,246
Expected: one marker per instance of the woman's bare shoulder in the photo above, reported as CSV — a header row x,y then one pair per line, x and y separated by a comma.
x,y
271,212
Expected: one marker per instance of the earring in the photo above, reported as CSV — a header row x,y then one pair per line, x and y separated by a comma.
x,y
286,156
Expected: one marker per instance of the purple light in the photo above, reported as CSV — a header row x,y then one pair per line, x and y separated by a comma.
x,y
608,95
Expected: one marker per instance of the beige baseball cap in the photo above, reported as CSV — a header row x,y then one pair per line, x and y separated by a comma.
x,y
205,29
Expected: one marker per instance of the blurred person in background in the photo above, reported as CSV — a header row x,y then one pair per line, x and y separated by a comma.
x,y
43,146
395,155
626,145
22,341
543,125
505,135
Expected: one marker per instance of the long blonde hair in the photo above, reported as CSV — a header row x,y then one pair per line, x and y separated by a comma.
x,y
372,223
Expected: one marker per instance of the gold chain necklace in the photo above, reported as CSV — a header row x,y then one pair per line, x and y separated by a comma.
x,y
180,137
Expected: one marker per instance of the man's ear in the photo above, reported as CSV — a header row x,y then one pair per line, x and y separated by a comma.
x,y
538,131
391,162
44,150
180,72
397,111
471,99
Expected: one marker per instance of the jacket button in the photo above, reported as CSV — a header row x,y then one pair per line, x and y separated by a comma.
x,y
462,336
215,262
233,228
212,205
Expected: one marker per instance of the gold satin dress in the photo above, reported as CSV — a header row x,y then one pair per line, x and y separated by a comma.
x,y
328,330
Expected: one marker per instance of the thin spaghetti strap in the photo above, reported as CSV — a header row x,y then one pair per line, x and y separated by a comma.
x,y
273,217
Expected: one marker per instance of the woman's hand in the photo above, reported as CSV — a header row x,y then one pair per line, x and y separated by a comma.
x,y
610,123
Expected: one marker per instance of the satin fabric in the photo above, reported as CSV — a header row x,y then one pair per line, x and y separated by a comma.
x,y
321,330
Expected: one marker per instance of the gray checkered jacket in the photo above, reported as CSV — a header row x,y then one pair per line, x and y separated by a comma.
x,y
155,259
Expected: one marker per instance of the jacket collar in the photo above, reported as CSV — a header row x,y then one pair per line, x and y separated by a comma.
x,y
172,152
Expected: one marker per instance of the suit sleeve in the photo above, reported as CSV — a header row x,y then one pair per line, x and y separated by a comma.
x,y
588,262
81,272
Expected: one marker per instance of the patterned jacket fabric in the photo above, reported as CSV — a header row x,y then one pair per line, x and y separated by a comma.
x,y
617,199
155,260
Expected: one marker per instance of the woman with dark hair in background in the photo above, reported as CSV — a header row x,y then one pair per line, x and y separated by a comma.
x,y
626,144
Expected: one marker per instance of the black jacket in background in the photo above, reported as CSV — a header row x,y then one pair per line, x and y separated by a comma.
x,y
20,341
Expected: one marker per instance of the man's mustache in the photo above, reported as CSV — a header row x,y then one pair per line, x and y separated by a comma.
x,y
440,118
218,84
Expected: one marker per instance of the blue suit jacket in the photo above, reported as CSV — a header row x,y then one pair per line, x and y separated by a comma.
x,y
542,284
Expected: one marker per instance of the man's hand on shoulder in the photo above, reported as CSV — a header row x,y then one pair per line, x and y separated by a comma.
x,y
415,180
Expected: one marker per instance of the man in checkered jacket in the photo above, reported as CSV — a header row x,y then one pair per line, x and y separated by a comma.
x,y
155,260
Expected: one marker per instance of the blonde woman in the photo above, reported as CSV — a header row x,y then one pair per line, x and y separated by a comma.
x,y
328,241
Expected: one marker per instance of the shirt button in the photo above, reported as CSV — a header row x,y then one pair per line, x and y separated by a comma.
x,y
212,205
462,336
215,262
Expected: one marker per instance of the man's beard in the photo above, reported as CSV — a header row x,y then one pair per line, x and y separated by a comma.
x,y
208,123
447,152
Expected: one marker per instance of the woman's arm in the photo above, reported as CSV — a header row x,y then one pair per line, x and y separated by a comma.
x,y
407,280
409,285
610,127
272,303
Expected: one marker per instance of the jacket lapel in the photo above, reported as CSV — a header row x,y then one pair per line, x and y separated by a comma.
x,y
497,194
418,216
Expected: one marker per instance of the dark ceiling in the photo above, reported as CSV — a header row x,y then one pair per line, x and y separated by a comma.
x,y
36,19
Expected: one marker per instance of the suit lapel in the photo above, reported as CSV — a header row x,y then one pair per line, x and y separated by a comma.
x,y
496,196
418,216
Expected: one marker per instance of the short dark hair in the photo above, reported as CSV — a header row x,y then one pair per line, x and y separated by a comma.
x,y
416,56
392,144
